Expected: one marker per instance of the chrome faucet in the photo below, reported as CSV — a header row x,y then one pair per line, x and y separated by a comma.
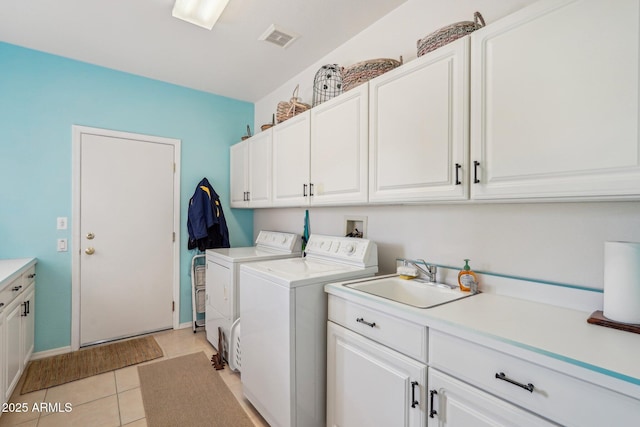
x,y
430,270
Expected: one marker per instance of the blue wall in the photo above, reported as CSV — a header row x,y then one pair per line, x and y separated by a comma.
x,y
41,97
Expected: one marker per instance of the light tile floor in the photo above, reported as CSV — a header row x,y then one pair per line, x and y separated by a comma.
x,y
113,398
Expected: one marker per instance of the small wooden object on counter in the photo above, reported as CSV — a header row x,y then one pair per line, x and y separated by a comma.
x,y
598,318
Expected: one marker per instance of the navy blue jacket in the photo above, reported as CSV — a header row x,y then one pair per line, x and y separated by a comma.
x,y
206,224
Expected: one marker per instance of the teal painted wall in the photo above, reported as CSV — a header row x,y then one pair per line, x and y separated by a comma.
x,y
41,97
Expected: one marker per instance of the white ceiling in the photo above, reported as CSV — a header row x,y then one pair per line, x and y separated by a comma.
x,y
141,37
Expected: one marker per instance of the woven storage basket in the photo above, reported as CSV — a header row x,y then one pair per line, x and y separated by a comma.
x,y
446,35
286,110
366,70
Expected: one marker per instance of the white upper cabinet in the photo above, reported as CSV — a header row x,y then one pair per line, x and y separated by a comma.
x,y
239,174
260,169
339,149
419,128
250,164
554,102
291,161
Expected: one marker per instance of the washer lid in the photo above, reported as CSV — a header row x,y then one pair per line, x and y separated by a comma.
x,y
293,272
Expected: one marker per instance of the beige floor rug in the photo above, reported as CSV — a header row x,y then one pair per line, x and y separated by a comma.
x,y
187,391
64,368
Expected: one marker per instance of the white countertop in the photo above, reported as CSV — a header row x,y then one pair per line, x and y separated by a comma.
x,y
554,333
12,268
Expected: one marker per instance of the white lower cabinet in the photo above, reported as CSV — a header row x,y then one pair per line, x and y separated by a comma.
x,y
454,403
16,330
513,382
13,358
27,325
371,385
2,334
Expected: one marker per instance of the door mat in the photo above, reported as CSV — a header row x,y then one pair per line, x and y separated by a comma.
x,y
188,391
64,368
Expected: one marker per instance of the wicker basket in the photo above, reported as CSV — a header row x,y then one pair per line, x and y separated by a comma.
x,y
366,70
449,33
286,110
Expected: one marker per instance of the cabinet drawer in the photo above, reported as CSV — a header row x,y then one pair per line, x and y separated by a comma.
x,y
29,276
554,395
11,291
406,337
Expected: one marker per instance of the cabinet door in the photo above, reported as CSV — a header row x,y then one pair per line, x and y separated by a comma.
x,y
418,128
371,385
239,170
218,302
260,169
291,161
13,332
28,324
3,360
339,149
454,403
554,102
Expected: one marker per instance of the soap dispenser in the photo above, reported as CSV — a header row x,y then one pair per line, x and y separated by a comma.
x,y
467,279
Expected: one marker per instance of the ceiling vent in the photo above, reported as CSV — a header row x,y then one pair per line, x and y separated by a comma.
x,y
278,36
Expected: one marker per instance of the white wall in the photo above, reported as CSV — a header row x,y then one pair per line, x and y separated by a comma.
x,y
559,242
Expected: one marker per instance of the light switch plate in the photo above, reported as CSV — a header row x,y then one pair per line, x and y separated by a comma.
x,y
62,245
61,223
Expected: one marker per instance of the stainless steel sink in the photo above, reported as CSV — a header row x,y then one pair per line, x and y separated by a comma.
x,y
411,292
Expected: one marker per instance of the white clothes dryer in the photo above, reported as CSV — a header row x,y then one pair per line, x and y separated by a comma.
x,y
284,324
222,302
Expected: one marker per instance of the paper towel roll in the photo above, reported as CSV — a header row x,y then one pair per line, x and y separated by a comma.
x,y
622,281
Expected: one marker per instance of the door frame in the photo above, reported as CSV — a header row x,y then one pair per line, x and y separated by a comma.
x,y
77,132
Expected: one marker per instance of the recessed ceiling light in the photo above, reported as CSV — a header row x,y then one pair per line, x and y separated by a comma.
x,y
203,13
278,36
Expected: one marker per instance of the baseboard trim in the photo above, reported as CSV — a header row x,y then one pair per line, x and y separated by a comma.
x,y
49,353
184,325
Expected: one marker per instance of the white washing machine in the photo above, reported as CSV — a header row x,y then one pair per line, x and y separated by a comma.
x,y
284,323
222,302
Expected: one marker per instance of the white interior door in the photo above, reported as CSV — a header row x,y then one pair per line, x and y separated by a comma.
x,y
126,236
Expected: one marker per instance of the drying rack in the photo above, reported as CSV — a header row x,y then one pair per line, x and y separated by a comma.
x,y
198,286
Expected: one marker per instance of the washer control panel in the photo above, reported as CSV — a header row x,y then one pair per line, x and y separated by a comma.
x,y
346,249
289,242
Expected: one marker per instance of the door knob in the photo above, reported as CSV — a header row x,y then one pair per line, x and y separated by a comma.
x,y
89,251
90,236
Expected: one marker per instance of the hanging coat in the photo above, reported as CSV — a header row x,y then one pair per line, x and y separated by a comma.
x,y
206,224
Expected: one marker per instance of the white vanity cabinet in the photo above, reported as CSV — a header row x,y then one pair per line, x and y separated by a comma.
x,y
17,296
555,102
368,383
250,178
419,128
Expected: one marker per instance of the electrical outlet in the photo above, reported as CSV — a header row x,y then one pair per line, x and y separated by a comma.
x,y
61,223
